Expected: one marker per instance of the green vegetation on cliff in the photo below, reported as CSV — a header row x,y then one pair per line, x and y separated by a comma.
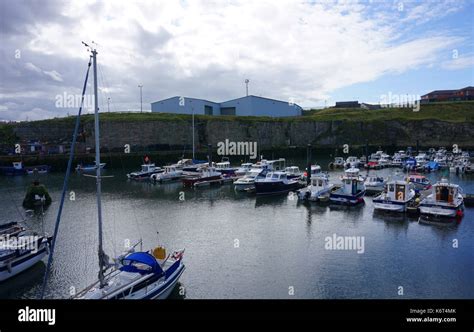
x,y
449,112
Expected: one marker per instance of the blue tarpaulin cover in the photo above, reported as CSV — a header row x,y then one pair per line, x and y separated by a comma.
x,y
141,262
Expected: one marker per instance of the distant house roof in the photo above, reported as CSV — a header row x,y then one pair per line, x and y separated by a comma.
x,y
440,92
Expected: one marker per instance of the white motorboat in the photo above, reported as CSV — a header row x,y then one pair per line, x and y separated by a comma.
x,y
337,163
374,184
352,190
247,182
276,183
243,169
146,171
88,167
20,252
396,197
445,200
315,170
225,168
318,188
170,173
421,182
293,172
352,162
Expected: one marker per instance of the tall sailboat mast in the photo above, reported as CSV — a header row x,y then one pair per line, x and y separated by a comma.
x,y
98,171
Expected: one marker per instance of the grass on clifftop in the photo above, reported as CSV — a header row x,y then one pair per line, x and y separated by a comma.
x,y
449,111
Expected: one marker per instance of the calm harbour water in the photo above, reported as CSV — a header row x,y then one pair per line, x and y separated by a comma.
x,y
280,243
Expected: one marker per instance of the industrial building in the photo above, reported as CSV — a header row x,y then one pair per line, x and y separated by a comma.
x,y
245,106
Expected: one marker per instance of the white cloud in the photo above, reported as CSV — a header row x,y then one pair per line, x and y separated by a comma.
x,y
54,75
461,62
206,49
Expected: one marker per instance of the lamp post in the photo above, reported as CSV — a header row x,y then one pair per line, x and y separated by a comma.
x,y
247,86
192,108
141,99
108,105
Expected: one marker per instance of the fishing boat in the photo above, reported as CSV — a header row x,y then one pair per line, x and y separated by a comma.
x,y
146,171
317,189
204,175
396,197
88,167
20,252
420,181
276,183
16,169
352,190
247,182
170,173
445,200
134,275
374,184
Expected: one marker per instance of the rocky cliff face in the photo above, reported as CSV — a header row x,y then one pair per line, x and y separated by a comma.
x,y
268,134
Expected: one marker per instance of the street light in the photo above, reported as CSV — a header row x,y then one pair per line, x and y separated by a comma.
x,y
247,86
141,99
108,105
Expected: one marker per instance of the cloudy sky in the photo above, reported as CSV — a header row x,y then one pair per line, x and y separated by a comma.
x,y
311,52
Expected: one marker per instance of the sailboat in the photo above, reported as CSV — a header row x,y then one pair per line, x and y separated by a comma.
x,y
135,274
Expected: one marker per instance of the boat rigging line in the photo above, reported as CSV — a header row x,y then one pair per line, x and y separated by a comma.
x,y
66,181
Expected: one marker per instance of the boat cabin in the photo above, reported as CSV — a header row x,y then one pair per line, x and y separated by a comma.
x,y
169,169
418,179
339,161
276,176
223,165
17,165
445,191
148,168
398,190
293,170
352,183
319,182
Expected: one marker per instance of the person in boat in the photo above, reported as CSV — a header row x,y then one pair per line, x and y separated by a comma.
x,y
36,194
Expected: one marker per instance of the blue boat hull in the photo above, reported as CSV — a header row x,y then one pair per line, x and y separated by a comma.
x,y
345,199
